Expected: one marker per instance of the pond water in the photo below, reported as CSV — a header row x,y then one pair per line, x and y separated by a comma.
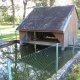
x,y
28,65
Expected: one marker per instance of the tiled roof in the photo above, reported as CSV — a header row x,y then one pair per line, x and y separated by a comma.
x,y
46,18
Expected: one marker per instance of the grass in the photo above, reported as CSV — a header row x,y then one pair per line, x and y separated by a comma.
x,y
75,73
8,33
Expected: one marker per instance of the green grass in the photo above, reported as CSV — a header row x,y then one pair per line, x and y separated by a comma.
x,y
75,73
8,33
79,33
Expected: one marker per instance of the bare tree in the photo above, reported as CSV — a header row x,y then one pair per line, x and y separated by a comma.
x,y
38,3
25,4
13,12
51,2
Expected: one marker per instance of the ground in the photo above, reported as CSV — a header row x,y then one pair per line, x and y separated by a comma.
x,y
7,33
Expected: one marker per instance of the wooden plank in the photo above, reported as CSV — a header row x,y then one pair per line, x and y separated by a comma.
x,y
42,43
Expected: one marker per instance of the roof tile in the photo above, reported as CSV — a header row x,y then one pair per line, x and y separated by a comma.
x,y
46,18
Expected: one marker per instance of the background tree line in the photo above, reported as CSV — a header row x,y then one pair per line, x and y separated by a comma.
x,y
7,18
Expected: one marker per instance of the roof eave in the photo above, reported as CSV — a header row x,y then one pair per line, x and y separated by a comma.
x,y
53,31
66,23
68,19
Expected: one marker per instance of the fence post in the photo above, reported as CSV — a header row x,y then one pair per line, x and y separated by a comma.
x,y
9,70
35,47
56,58
73,48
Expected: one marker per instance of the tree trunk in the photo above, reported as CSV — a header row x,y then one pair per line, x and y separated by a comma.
x,y
51,2
13,13
24,13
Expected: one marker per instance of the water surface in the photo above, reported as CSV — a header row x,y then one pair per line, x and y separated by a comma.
x,y
28,65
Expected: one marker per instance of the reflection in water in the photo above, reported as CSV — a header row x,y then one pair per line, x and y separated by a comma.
x,y
20,70
29,49
5,54
27,65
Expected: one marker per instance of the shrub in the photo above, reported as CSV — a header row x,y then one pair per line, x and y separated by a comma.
x,y
71,76
75,73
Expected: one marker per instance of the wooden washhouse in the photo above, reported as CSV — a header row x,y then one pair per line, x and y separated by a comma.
x,y
50,25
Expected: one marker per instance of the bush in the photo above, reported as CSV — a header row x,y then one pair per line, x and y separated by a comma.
x,y
75,73
8,20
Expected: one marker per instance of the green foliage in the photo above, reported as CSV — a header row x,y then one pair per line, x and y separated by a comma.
x,y
78,78
3,9
10,19
18,20
3,13
71,77
5,18
75,73
41,3
77,2
44,2
8,33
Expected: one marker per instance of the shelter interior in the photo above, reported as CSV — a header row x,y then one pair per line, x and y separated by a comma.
x,y
42,36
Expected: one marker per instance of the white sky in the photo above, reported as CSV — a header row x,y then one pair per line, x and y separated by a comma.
x,y
17,2
63,2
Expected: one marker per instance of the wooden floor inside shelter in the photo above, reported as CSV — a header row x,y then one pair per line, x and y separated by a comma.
x,y
42,43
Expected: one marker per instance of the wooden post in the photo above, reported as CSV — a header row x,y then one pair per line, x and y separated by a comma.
x,y
56,58
35,47
34,35
9,70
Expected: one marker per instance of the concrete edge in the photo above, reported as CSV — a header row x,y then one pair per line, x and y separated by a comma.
x,y
6,43
66,68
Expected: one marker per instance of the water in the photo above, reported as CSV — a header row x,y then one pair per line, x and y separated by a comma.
x,y
28,65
